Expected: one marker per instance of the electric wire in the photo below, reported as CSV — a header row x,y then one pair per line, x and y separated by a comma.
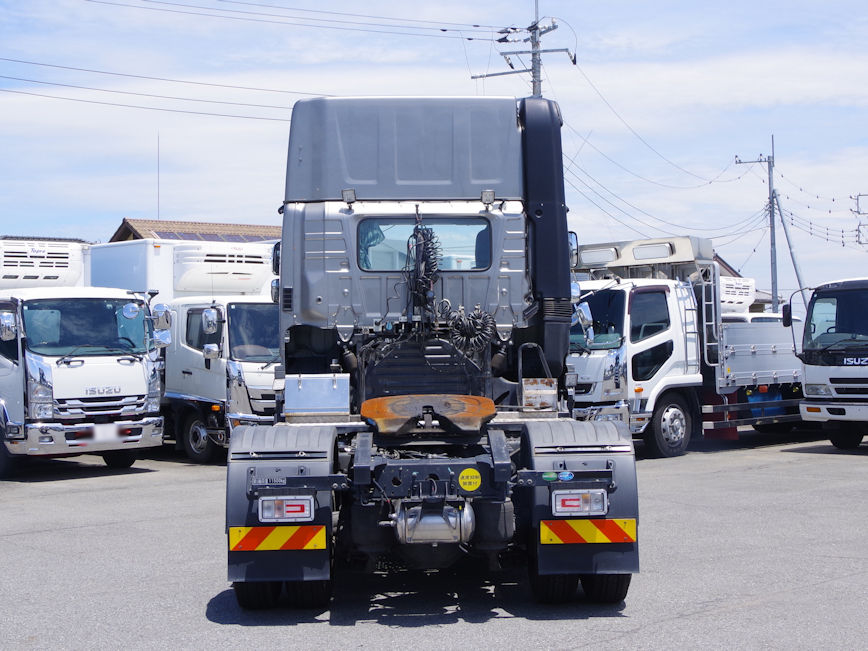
x,y
603,210
647,214
146,108
755,247
137,94
174,81
716,179
437,23
183,9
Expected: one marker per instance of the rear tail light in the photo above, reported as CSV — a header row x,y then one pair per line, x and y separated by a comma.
x,y
580,502
295,508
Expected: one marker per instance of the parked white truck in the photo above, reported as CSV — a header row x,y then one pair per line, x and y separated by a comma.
x,y
662,345
218,368
834,351
79,366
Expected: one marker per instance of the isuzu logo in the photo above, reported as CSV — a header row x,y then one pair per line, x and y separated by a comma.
x,y
101,391
856,361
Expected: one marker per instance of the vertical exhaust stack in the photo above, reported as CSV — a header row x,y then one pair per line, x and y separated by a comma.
x,y
547,218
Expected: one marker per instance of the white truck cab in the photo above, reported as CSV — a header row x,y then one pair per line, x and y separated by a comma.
x,y
219,367
661,339
79,366
833,348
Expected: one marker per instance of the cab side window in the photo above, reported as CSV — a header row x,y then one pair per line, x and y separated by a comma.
x,y
9,349
649,315
194,337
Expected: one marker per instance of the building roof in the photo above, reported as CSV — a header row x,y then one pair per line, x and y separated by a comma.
x,y
166,229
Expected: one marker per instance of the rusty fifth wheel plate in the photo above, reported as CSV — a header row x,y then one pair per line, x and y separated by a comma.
x,y
404,414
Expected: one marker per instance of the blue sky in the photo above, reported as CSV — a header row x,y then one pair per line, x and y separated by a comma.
x,y
664,96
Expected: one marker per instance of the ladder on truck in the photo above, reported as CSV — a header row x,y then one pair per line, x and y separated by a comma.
x,y
709,290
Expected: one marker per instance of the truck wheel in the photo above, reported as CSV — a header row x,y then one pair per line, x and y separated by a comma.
x,y
606,588
7,462
119,458
256,595
198,446
309,594
669,432
846,438
553,588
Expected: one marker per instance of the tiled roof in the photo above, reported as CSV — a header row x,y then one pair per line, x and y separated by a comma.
x,y
166,229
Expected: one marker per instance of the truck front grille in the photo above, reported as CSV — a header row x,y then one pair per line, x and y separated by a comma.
x,y
99,409
261,401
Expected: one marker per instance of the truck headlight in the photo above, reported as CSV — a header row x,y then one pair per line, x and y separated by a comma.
x,y
820,390
152,401
40,398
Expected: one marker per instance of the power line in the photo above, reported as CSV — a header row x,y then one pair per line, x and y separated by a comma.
x,y
126,92
616,207
603,210
716,179
647,214
250,17
173,81
439,23
633,131
146,108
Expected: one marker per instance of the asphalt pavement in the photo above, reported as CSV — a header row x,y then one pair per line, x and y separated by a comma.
x,y
752,544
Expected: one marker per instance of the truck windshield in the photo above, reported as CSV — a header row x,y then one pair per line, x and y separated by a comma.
x,y
464,243
253,331
837,319
607,311
84,326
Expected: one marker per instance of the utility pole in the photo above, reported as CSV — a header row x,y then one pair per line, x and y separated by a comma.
x,y
770,162
534,33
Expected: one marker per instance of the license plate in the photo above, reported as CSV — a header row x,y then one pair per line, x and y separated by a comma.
x,y
105,432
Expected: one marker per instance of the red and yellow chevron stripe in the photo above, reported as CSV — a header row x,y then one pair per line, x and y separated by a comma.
x,y
560,532
259,539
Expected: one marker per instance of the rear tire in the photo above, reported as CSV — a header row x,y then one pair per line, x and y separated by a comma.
x,y
197,444
8,462
309,594
119,458
846,439
257,595
606,588
668,434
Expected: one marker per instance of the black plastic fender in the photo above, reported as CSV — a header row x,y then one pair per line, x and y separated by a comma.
x,y
279,460
584,449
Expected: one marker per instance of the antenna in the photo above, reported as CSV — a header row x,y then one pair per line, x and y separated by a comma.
x,y
534,33
158,175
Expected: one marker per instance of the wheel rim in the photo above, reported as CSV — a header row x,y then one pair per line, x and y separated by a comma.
x,y
198,437
673,425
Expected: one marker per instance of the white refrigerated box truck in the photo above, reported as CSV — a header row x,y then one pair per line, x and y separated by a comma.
x,y
219,377
79,366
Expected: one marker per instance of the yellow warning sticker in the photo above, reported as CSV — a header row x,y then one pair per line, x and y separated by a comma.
x,y
469,480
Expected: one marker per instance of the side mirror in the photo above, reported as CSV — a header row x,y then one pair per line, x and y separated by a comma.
x,y
210,319
275,259
131,310
162,338
574,250
162,316
275,290
8,329
586,320
211,351
787,315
